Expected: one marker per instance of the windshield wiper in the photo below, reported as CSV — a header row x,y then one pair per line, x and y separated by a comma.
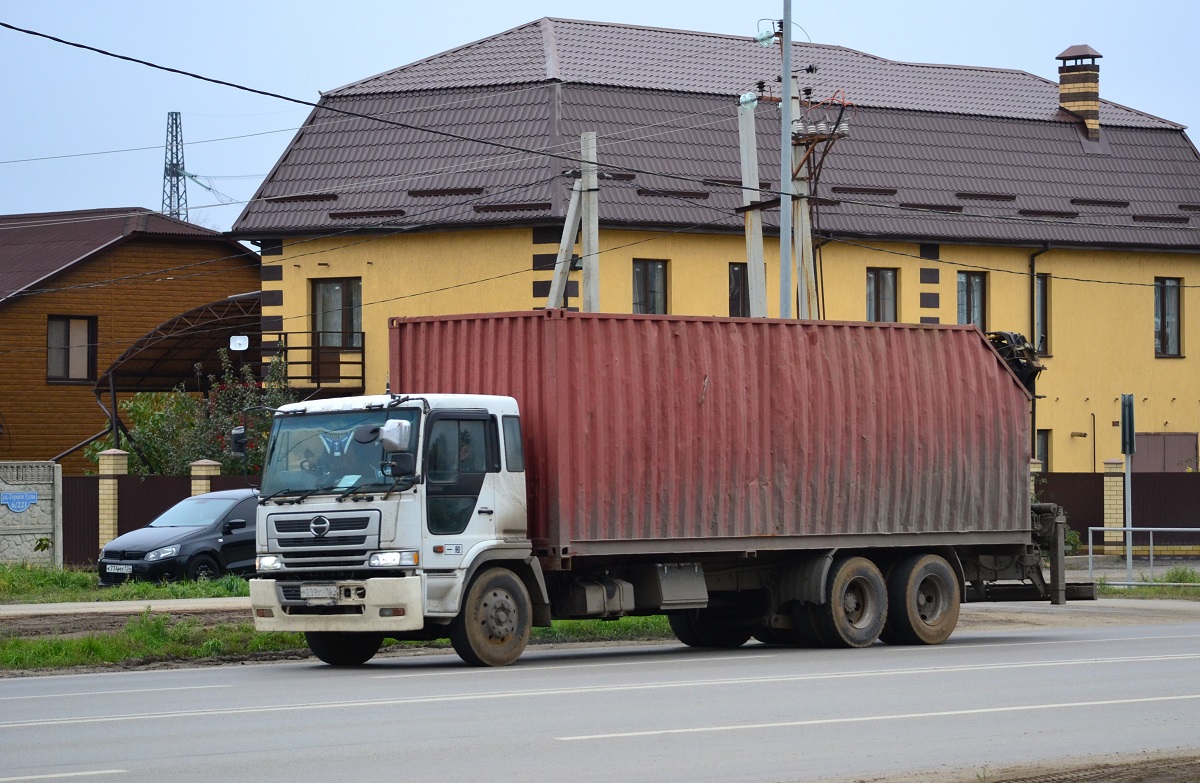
x,y
273,495
356,488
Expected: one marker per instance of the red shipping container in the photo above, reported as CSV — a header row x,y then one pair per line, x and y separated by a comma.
x,y
649,434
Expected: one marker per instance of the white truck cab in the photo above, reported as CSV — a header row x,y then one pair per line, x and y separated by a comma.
x,y
375,512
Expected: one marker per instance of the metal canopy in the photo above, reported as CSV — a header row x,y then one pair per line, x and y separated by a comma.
x,y
185,350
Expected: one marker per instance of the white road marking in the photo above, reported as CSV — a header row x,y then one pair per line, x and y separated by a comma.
x,y
568,666
109,693
511,694
68,775
998,643
874,718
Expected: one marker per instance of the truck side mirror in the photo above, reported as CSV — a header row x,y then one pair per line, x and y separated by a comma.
x,y
399,465
238,441
395,434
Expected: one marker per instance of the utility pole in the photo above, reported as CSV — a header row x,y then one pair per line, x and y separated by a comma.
x,y
787,264
174,199
590,219
756,276
582,212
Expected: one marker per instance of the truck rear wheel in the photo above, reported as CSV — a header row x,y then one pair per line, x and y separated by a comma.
x,y
704,628
493,627
343,649
923,601
855,607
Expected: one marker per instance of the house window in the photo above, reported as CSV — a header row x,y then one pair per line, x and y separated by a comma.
x,y
1166,316
71,348
649,286
337,325
1041,314
739,291
972,294
337,312
1041,451
881,295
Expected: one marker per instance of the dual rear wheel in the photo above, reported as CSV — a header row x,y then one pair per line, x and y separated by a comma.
x,y
917,603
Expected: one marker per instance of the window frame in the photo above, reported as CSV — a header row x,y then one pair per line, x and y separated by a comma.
x,y
975,282
875,298
1163,331
349,335
514,444
644,267
92,325
1041,314
739,289
1041,448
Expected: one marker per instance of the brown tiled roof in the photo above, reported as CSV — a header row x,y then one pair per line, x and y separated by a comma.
x,y
616,55
36,246
662,103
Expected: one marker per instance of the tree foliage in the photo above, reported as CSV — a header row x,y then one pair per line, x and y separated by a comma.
x,y
171,430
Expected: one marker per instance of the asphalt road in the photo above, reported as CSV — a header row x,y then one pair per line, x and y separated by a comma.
x,y
984,701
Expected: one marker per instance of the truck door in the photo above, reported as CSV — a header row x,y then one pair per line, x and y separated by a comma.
x,y
462,460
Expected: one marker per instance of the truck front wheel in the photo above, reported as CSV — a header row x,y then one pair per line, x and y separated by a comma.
x,y
343,649
493,627
923,601
855,607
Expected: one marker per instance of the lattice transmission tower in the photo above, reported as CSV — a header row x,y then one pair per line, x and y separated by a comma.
x,y
174,200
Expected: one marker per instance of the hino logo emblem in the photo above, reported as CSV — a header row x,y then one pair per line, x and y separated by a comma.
x,y
319,526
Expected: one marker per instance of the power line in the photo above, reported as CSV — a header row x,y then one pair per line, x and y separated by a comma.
x,y
346,112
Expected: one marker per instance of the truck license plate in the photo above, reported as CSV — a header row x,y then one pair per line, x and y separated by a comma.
x,y
318,591
118,569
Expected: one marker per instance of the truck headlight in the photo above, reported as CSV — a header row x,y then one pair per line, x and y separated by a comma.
x,y
408,557
163,553
268,563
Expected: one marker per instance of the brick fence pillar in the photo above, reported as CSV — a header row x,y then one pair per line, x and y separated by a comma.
x,y
202,472
113,463
1114,506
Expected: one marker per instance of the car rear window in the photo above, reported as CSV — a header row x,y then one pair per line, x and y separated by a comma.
x,y
195,512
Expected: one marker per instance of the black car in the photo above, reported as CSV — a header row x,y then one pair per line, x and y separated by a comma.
x,y
201,537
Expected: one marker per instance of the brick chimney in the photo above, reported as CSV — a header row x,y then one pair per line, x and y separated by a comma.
x,y
1079,86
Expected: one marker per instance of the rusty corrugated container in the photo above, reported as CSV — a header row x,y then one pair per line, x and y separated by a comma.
x,y
650,433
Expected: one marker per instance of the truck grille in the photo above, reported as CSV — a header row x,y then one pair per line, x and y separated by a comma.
x,y
312,541
336,524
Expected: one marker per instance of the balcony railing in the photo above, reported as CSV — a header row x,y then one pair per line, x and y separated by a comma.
x,y
320,360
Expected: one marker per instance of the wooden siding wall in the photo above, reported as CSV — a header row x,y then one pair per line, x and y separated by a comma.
x,y
40,420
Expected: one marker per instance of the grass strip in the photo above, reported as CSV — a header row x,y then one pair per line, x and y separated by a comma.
x,y
154,637
28,584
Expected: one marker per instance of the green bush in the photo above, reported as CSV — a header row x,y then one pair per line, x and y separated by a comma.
x,y
1181,574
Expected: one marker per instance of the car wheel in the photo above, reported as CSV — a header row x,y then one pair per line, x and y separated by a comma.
x,y
203,567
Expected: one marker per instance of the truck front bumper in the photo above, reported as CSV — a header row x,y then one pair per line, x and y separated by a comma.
x,y
381,605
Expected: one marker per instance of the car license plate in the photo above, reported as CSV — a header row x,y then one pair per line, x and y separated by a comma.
x,y
325,592
118,569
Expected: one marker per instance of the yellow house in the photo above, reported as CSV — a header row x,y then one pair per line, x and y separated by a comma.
x,y
960,195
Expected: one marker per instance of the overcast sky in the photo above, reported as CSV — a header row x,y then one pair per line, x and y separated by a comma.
x,y
63,104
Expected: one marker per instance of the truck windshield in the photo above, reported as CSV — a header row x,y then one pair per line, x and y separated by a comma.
x,y
318,452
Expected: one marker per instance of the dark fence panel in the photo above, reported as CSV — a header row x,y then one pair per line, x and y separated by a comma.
x,y
81,520
1166,500
219,483
1081,494
140,500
